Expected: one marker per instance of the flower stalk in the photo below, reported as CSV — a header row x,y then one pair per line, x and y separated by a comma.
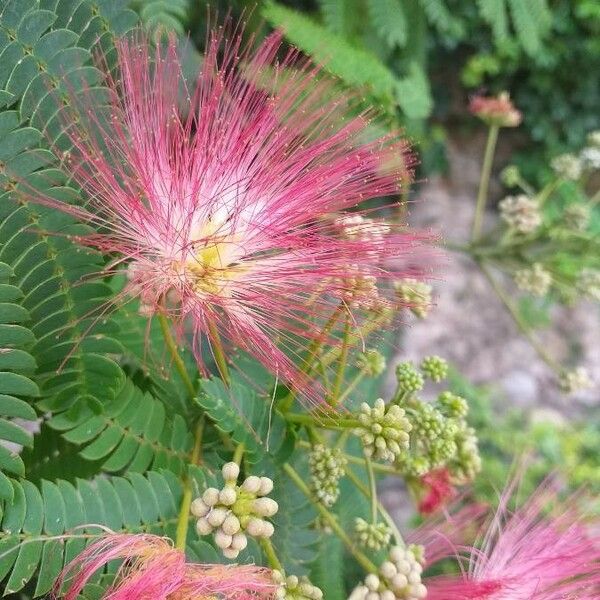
x,y
484,183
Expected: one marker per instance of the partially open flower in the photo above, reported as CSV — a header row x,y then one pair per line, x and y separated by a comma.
x,y
546,550
152,569
521,213
226,211
437,491
567,166
496,110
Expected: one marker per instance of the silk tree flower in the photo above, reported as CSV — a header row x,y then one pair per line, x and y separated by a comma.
x,y
545,550
153,570
437,491
222,198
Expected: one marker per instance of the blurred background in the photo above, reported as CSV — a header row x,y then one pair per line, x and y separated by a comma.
x,y
420,62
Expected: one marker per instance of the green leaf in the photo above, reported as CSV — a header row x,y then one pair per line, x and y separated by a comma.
x,y
356,66
413,93
389,20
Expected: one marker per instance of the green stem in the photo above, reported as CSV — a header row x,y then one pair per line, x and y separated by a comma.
x,y
519,321
339,378
267,548
177,360
484,183
218,353
372,488
382,511
322,421
183,519
331,520
237,455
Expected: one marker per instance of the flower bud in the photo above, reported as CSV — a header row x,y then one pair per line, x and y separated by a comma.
x,y
227,496
255,527
203,527
251,484
230,471
231,525
266,486
210,496
222,539
435,368
239,541
265,507
199,508
230,553
216,516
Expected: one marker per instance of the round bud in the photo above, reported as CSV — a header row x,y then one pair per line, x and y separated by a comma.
x,y
255,527
397,553
265,507
291,581
216,516
373,596
227,496
203,527
280,594
268,529
387,595
239,541
222,539
199,508
266,486
251,484
372,581
231,524
418,591
230,471
230,553
210,496
388,569
399,581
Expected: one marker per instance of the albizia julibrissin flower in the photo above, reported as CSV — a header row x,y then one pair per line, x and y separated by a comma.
x,y
545,550
153,570
226,199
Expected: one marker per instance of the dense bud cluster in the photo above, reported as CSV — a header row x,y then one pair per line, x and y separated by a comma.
x,y
384,430
535,280
576,216
453,406
414,294
567,166
374,536
327,467
434,367
399,577
295,588
590,157
466,463
233,512
372,363
521,213
409,379
588,284
575,380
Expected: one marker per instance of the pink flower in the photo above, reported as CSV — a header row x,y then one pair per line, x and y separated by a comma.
x,y
544,551
496,110
153,570
222,195
438,491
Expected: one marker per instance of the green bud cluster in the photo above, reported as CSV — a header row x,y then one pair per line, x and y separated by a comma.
x,y
233,512
295,588
535,280
576,216
372,363
415,294
374,536
575,380
452,406
327,467
399,577
441,437
466,464
384,430
434,367
409,379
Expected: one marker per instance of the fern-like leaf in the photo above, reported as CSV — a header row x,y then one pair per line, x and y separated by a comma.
x,y
389,20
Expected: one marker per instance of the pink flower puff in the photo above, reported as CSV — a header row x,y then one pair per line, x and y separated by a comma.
x,y
231,200
153,570
546,550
